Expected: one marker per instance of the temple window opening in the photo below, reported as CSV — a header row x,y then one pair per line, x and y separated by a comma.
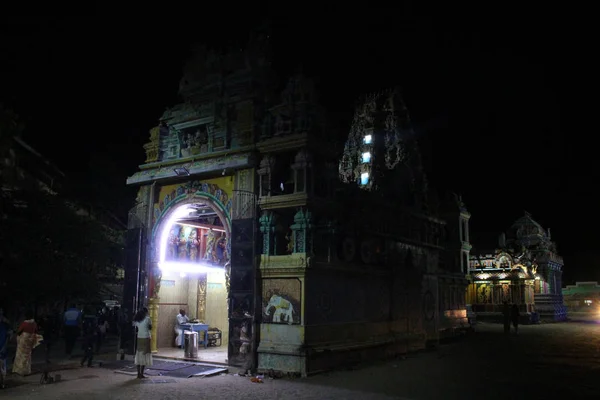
x,y
366,157
364,178
368,139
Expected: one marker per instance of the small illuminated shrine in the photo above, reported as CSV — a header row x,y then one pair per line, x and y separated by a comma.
x,y
525,270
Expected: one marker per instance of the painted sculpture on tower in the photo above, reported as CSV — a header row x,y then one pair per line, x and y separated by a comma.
x,y
211,240
193,245
173,243
221,251
183,245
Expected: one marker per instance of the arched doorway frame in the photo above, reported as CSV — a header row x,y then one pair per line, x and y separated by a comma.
x,y
158,228
190,198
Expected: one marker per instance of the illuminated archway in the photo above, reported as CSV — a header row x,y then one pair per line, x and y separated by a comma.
x,y
176,209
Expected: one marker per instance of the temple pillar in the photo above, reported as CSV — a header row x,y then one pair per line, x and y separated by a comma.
x,y
301,228
153,301
153,310
201,301
267,223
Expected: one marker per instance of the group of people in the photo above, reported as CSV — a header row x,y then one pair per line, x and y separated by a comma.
x,y
31,333
512,315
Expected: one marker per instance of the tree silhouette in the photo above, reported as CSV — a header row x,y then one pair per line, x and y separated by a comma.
x,y
50,249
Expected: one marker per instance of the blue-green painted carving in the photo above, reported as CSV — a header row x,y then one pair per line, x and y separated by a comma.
x,y
267,227
302,235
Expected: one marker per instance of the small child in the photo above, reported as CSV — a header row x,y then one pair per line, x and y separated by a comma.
x,y
88,346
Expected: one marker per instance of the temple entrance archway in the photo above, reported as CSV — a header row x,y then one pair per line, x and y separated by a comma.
x,y
191,249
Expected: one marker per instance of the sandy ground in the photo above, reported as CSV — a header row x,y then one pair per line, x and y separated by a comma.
x,y
543,361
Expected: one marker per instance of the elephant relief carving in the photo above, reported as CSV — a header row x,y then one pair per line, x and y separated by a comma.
x,y
282,310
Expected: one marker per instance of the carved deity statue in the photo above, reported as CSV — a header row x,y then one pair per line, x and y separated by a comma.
x,y
211,239
172,243
183,245
221,250
193,245
483,294
290,241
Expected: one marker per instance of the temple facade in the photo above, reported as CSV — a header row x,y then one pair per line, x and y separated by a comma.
x,y
301,257
525,270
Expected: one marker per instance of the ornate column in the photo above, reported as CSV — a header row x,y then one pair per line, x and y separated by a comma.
x,y
153,300
153,310
267,227
201,303
302,235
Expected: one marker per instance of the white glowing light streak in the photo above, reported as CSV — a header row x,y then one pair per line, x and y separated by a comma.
x,y
178,266
186,267
202,227
164,235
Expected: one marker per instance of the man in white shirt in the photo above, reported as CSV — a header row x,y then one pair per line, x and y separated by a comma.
x,y
181,319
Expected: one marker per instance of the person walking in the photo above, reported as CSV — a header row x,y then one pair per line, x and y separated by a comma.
x,y
89,340
27,340
514,316
143,354
50,326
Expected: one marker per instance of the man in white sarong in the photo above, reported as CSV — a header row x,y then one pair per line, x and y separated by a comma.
x,y
181,319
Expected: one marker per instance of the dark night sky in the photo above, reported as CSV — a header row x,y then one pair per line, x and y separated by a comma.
x,y
499,101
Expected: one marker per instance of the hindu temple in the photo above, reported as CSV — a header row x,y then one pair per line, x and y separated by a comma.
x,y
286,252
525,269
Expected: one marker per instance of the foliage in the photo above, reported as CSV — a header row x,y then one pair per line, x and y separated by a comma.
x,y
49,249
50,252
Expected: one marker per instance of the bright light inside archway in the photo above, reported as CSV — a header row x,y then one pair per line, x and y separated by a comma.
x,y
179,266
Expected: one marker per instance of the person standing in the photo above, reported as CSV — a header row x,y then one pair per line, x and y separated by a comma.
x,y
50,326
27,340
181,319
143,353
89,340
102,329
5,335
506,317
72,321
514,316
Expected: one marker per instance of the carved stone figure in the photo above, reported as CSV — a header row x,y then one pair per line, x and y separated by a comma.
x,y
183,246
290,241
211,239
193,245
221,251
172,243
152,148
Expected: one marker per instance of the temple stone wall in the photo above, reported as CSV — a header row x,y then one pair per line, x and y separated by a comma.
x,y
348,314
216,303
173,296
